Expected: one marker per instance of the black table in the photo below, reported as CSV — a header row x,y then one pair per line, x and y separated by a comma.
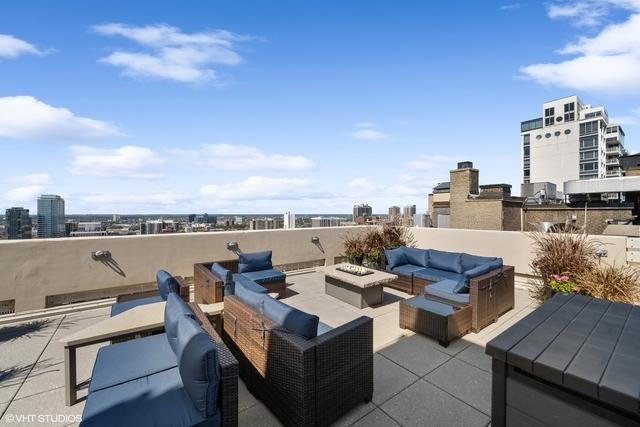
x,y
573,361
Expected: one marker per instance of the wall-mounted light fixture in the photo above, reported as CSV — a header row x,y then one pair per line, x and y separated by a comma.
x,y
100,255
233,247
315,240
602,253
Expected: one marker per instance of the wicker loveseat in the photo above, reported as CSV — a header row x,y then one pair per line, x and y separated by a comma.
x,y
211,278
185,376
482,282
305,380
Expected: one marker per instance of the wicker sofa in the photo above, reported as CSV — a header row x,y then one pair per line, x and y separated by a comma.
x,y
482,282
210,280
166,284
186,376
305,380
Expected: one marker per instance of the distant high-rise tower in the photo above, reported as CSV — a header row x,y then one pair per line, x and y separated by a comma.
x,y
409,211
394,213
50,216
18,223
362,210
289,220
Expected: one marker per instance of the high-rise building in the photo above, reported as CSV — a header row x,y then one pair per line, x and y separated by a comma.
x,y
363,210
321,221
115,218
154,226
409,211
50,216
262,224
394,213
572,140
289,220
18,223
191,218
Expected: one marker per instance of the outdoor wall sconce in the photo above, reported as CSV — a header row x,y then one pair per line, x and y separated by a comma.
x,y
315,240
232,246
602,253
100,255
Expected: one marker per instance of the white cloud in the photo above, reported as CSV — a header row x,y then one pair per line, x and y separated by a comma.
x,y
369,135
172,54
12,47
511,6
25,117
632,119
403,186
125,162
98,201
260,188
26,188
608,61
361,187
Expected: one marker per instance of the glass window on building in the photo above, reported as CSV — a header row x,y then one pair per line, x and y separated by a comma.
x,y
588,167
549,111
526,138
569,107
589,127
569,117
588,142
589,155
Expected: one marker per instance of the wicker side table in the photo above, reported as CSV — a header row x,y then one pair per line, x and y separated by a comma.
x,y
438,320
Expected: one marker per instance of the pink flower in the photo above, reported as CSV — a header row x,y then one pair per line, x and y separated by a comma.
x,y
564,278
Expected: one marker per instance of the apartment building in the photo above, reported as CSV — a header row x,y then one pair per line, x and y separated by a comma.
x,y
321,221
50,216
572,140
18,223
289,220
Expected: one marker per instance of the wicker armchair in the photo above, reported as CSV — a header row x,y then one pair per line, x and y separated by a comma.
x,y
491,295
209,288
303,382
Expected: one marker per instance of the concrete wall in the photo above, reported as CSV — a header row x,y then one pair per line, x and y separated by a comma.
x,y
31,270
512,246
596,218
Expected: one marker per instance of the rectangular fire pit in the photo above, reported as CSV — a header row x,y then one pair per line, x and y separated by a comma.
x,y
359,291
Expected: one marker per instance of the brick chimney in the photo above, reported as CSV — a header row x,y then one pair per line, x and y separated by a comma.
x,y
464,181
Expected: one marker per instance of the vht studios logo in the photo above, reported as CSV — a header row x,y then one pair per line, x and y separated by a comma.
x,y
42,418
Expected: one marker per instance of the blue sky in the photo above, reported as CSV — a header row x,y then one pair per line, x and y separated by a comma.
x,y
263,107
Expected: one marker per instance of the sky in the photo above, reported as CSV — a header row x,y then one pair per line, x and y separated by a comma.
x,y
303,106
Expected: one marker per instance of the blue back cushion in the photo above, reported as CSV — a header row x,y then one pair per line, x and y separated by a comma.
x,y
471,261
395,257
250,292
291,319
166,284
447,261
225,275
198,366
479,270
416,256
254,261
173,311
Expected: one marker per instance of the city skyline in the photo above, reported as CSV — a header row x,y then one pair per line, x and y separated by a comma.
x,y
118,124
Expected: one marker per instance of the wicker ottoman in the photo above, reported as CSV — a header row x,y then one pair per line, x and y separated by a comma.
x,y
438,320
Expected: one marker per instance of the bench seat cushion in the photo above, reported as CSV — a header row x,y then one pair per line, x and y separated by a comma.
x,y
121,307
159,400
130,360
262,276
436,275
406,269
445,289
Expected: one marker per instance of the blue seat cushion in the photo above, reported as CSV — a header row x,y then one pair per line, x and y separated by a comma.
x,y
471,261
291,319
448,261
435,275
262,276
174,310
445,289
130,360
254,261
166,284
159,399
249,292
416,256
198,366
406,269
463,284
395,258
121,307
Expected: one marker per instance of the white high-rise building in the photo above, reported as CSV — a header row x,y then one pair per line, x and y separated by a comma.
x,y
322,221
572,140
289,220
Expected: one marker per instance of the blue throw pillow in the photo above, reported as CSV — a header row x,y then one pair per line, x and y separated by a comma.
x,y
291,319
166,284
173,311
471,261
395,257
254,261
415,256
447,261
198,366
463,285
250,293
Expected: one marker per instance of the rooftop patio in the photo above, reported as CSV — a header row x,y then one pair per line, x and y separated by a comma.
x,y
417,381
